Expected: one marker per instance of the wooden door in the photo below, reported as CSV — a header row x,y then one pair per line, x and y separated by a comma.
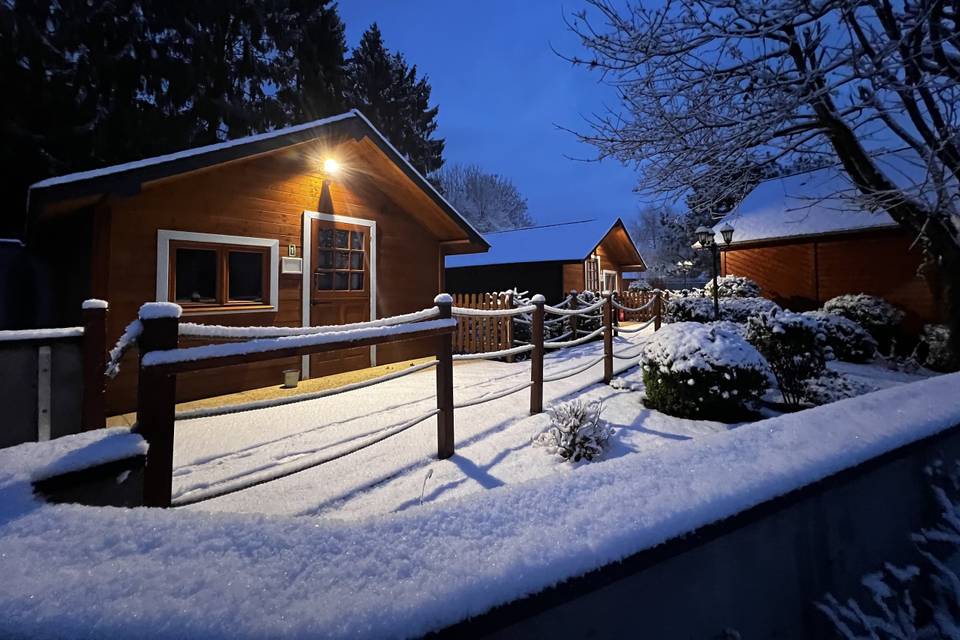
x,y
339,289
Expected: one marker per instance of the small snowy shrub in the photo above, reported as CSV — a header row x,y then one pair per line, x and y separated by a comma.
x,y
733,287
794,346
848,340
735,327
696,371
830,387
640,285
576,431
873,313
936,340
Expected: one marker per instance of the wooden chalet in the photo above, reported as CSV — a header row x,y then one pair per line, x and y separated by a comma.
x,y
802,239
550,259
316,224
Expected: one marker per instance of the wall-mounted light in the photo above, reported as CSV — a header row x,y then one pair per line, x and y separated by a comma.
x,y
331,167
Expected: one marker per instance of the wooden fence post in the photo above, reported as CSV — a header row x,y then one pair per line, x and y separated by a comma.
x,y
445,382
657,310
156,400
508,326
536,356
573,306
607,337
94,347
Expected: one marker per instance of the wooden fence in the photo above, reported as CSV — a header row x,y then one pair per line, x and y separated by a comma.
x,y
481,334
640,299
53,379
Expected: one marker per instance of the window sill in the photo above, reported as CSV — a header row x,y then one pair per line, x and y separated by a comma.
x,y
207,310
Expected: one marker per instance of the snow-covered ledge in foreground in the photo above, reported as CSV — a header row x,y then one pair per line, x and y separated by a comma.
x,y
110,572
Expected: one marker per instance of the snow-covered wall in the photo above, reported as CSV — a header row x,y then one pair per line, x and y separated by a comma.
x,y
169,573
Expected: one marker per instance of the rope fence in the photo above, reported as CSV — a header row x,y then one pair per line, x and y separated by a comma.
x,y
484,327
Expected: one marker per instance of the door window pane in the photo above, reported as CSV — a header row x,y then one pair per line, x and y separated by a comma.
x,y
245,276
340,281
356,281
196,275
325,281
341,238
326,238
356,260
326,259
343,259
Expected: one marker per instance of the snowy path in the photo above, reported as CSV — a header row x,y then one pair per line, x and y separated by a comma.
x,y
493,440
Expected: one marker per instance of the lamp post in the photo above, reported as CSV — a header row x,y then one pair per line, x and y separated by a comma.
x,y
684,266
705,235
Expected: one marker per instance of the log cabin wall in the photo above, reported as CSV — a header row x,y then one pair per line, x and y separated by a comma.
x,y
262,197
802,275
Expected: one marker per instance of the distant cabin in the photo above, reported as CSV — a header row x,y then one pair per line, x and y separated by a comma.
x,y
803,240
549,259
316,224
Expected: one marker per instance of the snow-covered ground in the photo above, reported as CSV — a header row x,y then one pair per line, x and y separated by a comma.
x,y
492,440
104,572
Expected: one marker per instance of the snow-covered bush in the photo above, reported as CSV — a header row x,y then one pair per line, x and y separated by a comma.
x,y
936,341
736,327
576,432
693,370
733,287
740,309
848,340
830,386
873,313
793,345
689,309
640,285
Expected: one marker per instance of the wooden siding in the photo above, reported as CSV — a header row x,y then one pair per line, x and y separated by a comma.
x,y
262,197
573,277
803,275
546,278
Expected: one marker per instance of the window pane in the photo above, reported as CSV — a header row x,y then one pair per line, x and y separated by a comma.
x,y
340,281
356,260
196,276
343,259
326,238
245,276
341,239
356,240
356,281
326,260
324,281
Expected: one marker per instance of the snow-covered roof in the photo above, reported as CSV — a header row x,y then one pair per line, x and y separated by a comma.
x,y
103,179
560,242
806,204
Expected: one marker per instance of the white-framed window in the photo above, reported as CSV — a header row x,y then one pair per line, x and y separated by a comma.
x,y
207,273
609,280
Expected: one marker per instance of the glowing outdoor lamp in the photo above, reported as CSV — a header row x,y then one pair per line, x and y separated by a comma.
x,y
331,167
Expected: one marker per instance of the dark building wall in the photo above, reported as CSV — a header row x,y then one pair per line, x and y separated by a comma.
x,y
536,277
804,274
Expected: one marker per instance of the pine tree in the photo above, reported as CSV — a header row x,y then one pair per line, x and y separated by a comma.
x,y
389,93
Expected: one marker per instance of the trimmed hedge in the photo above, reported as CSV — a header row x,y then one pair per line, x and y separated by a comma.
x,y
733,287
845,337
692,370
793,345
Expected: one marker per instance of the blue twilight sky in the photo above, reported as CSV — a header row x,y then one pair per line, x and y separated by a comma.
x,y
501,91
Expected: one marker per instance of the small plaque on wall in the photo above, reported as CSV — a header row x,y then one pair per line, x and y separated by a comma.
x,y
291,265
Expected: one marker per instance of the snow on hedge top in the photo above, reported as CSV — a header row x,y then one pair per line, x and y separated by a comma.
x,y
807,204
566,241
870,311
690,346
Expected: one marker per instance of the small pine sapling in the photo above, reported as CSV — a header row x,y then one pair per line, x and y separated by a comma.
x,y
576,431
